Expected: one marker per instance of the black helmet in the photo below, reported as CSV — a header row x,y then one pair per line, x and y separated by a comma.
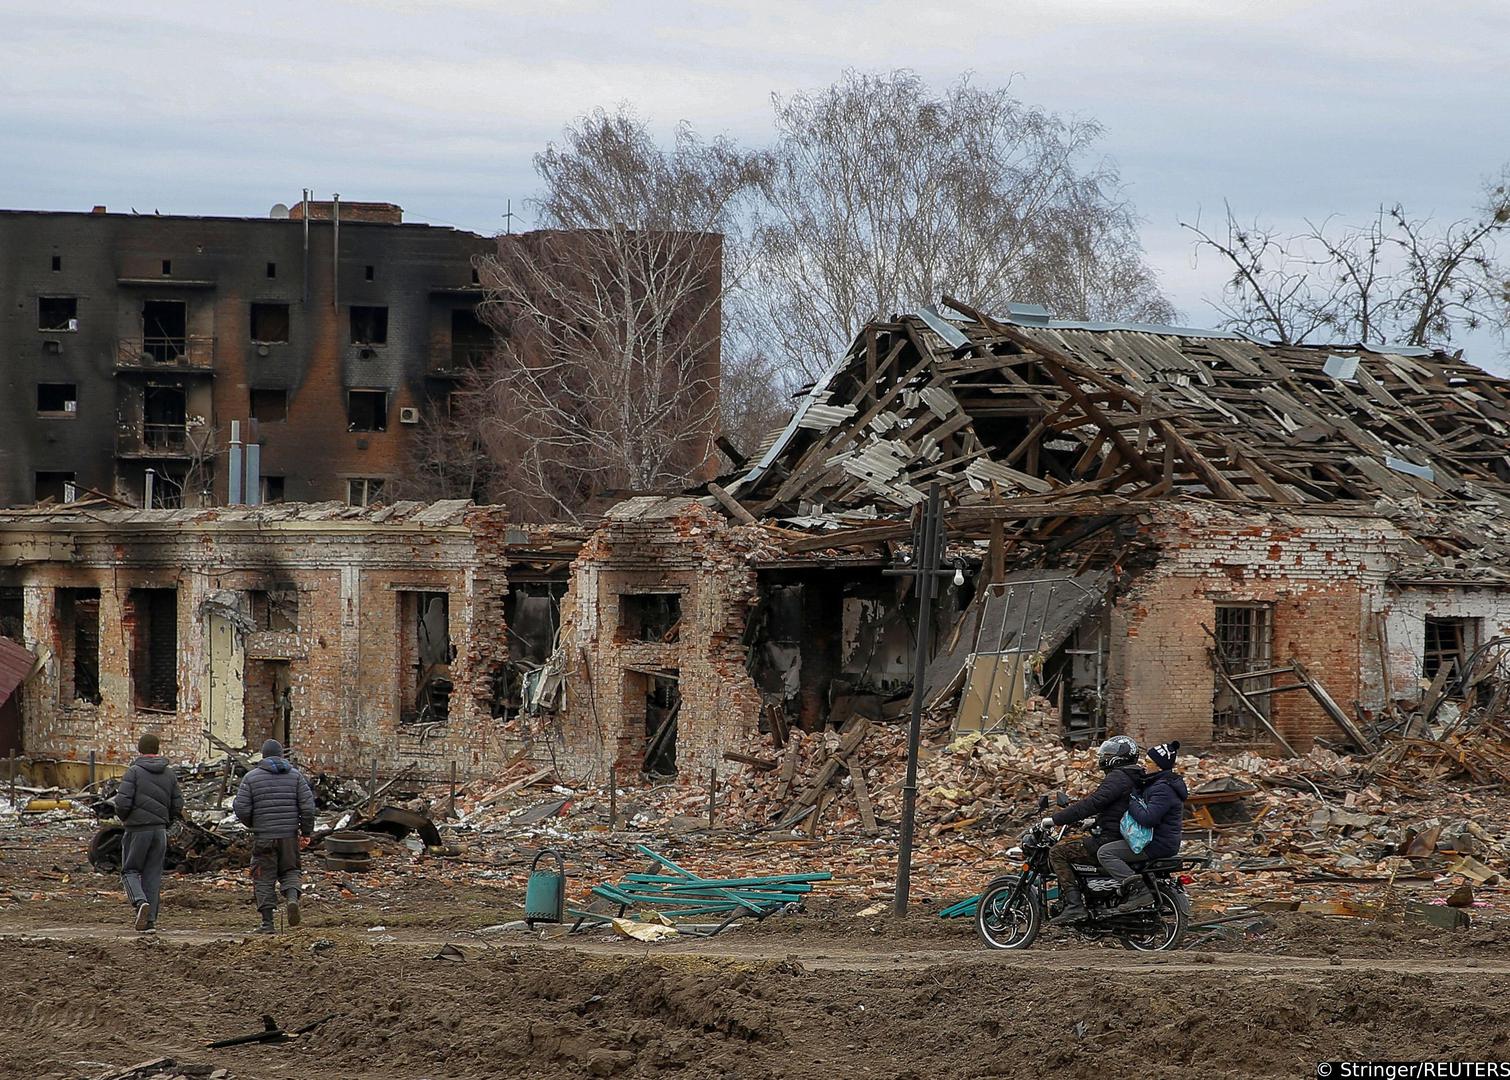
x,y
1117,751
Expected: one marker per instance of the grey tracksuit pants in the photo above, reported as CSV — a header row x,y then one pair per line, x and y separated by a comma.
x,y
142,855
1115,857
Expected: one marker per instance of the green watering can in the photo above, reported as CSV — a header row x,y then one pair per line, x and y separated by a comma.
x,y
545,892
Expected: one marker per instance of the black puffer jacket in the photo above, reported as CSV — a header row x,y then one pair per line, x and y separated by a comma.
x,y
1163,811
275,801
149,795
1106,804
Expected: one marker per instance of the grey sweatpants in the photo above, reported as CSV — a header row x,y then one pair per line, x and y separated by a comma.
x,y
142,855
1114,859
275,869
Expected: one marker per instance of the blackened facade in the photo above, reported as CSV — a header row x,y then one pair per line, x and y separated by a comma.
x,y
130,342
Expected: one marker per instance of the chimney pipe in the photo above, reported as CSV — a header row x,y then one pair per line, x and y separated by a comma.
x,y
233,492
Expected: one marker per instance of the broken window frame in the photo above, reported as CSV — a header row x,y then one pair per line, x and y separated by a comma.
x,y
267,404
372,419
639,621
62,319
1244,632
1448,639
67,397
168,345
369,325
266,319
275,609
365,490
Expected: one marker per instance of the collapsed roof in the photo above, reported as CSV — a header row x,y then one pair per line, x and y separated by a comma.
x,y
1024,417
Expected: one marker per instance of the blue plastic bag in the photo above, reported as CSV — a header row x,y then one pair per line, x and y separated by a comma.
x,y
1137,836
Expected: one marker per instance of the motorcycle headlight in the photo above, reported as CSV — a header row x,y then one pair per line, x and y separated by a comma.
x,y
1014,853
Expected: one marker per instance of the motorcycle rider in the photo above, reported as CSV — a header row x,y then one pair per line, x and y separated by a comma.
x,y
1162,810
1118,758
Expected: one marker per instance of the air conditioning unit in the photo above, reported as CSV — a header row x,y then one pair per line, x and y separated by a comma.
x,y
408,415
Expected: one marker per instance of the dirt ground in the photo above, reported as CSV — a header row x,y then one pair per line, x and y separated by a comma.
x,y
825,992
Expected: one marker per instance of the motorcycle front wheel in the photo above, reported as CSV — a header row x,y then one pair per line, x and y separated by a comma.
x,y
1170,928
1008,916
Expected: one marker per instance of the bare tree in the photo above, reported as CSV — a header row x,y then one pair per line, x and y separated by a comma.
x,y
607,375
1396,279
884,196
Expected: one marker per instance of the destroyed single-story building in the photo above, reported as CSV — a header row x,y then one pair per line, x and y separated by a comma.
x,y
364,637
1248,541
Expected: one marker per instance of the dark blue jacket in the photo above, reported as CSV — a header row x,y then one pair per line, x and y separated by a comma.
x,y
1106,804
275,801
148,796
1163,811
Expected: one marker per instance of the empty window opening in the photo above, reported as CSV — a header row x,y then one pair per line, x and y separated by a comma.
x,y
269,404
57,399
165,330
167,487
371,272
1449,642
270,324
364,491
59,314
1244,645
276,609
425,655
167,267
12,612
650,616
153,622
78,643
272,270
57,263
471,339
475,279
367,410
657,697
53,485
369,325
165,417
272,489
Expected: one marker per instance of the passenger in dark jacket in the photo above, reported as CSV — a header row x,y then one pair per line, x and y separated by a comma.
x,y
276,803
1118,757
147,801
1162,809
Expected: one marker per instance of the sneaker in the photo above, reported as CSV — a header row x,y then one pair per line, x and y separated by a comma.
x,y
143,915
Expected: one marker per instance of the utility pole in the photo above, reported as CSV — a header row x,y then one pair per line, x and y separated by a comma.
x,y
927,549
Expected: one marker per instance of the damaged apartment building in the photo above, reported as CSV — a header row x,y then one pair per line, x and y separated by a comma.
x,y
1170,532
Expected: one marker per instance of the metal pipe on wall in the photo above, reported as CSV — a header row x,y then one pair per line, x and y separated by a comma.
x,y
304,212
233,465
335,252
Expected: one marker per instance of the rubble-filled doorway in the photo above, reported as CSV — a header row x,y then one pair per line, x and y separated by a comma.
x,y
652,707
425,654
269,702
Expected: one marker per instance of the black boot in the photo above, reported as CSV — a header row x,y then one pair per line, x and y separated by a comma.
x,y
267,922
1074,909
1139,896
294,914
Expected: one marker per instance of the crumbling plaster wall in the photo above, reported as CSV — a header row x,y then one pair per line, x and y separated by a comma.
x,y
343,660
646,546
1404,623
1324,576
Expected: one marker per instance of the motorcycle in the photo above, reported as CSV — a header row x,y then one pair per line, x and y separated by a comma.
x,y
1013,908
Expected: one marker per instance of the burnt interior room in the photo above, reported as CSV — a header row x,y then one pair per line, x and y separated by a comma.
x,y
658,696
153,615
533,623
425,655
165,330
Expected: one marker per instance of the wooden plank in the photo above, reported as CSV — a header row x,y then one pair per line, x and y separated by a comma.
x,y
1328,706
862,797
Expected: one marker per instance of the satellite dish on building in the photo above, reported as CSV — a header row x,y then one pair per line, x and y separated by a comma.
x,y
278,211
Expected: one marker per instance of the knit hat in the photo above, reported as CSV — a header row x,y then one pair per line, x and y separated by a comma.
x,y
149,744
1164,754
273,748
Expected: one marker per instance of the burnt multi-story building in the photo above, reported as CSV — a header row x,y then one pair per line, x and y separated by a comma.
x,y
131,342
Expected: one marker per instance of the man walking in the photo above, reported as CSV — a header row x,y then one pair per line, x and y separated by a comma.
x,y
276,803
146,801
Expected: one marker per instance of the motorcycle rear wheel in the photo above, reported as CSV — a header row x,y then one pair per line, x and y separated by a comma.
x,y
1001,922
1171,928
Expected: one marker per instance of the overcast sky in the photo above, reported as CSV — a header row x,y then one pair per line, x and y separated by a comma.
x,y
1287,109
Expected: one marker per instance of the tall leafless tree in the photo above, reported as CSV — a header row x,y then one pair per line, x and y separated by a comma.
x,y
1396,279
886,195
607,375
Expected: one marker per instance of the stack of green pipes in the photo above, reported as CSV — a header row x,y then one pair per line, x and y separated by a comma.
x,y
679,893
